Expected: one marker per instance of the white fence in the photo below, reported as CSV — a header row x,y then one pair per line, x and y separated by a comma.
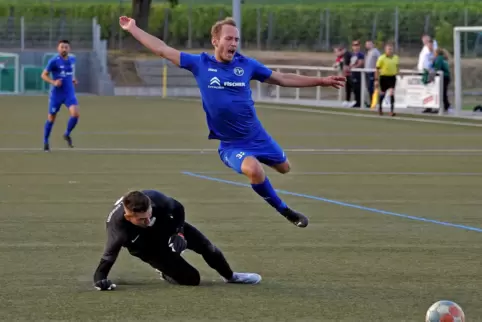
x,y
410,91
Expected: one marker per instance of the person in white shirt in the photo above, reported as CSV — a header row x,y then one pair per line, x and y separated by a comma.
x,y
425,61
425,52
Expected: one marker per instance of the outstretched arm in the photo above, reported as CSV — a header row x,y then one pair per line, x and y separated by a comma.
x,y
102,270
295,80
154,44
112,249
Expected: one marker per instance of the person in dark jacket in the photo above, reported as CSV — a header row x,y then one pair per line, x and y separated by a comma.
x,y
441,64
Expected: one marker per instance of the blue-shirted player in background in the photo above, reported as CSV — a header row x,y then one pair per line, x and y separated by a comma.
x,y
63,83
223,80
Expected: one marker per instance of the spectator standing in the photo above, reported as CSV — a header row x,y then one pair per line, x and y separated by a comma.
x,y
426,41
441,64
357,61
343,59
427,66
372,54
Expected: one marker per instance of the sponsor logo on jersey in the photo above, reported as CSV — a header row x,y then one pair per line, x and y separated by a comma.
x,y
216,83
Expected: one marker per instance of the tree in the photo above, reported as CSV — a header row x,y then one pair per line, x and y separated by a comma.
x,y
444,35
173,3
140,12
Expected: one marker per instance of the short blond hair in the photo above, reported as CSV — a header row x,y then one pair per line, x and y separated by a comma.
x,y
218,26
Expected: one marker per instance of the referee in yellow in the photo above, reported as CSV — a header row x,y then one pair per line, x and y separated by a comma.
x,y
388,67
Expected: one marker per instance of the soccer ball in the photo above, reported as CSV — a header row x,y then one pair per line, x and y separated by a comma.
x,y
445,311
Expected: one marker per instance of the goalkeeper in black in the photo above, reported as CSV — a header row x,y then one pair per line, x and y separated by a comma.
x,y
151,226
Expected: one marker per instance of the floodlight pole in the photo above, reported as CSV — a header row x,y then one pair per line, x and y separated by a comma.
x,y
237,18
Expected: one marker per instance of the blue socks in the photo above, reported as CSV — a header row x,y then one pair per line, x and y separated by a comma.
x,y
49,125
71,125
266,191
47,129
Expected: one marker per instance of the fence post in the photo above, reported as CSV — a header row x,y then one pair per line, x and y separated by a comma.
x,y
278,88
466,34
94,33
318,88
22,33
189,28
270,30
363,89
327,29
50,24
427,24
166,25
374,26
258,28
396,26
441,91
297,88
320,31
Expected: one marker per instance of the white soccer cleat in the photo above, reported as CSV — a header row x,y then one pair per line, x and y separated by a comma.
x,y
245,278
166,278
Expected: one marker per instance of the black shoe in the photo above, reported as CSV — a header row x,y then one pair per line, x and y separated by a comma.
x,y
68,139
46,147
296,218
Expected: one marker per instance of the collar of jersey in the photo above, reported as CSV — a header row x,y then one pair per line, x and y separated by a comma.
x,y
235,58
60,57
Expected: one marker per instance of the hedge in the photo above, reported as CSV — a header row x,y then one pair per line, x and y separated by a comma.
x,y
300,23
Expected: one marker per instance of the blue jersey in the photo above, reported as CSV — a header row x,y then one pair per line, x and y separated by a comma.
x,y
63,69
226,95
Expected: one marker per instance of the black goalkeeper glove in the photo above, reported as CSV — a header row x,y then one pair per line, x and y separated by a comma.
x,y
105,285
177,243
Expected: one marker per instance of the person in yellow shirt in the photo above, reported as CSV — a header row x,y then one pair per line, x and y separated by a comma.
x,y
388,67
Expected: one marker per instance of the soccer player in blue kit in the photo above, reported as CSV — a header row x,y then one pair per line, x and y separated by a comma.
x,y
62,92
223,79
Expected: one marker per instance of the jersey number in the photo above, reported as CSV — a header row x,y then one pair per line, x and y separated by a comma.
x,y
117,205
240,155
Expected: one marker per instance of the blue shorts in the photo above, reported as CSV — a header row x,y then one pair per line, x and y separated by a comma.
x,y
266,151
56,103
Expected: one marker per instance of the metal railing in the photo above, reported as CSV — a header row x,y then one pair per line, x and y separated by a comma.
x,y
363,86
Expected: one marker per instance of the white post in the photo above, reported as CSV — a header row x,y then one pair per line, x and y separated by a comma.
x,y
22,33
457,72
297,88
237,19
363,87
318,88
17,75
104,55
22,80
98,38
458,65
94,32
278,88
441,90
